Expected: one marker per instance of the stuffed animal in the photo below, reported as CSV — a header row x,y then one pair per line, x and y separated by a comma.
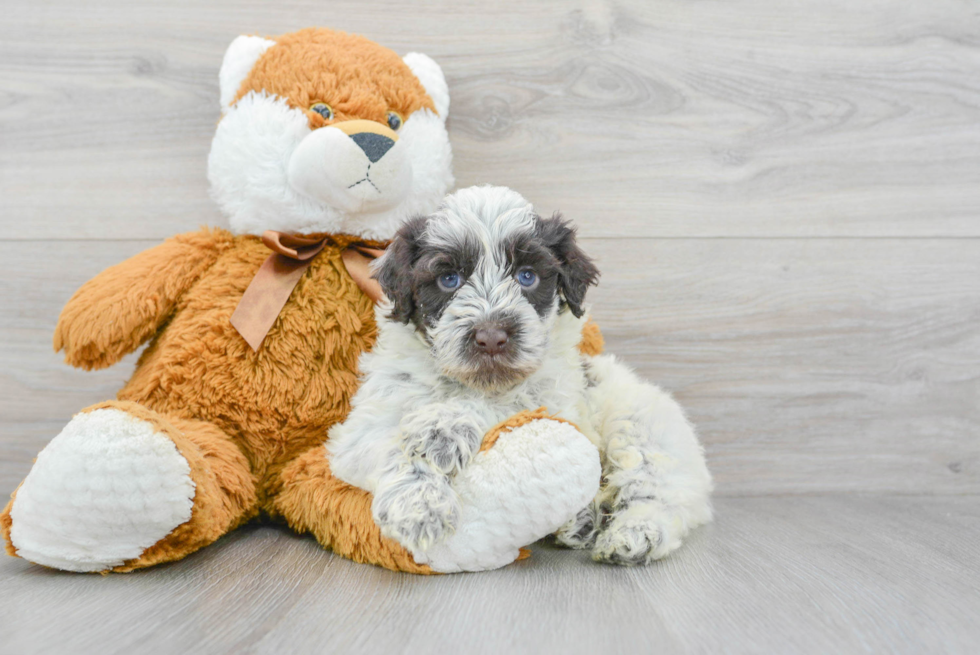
x,y
327,143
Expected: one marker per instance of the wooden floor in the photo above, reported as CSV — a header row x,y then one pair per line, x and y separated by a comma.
x,y
784,199
813,574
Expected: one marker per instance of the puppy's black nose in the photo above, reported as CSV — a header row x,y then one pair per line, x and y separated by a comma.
x,y
374,145
491,340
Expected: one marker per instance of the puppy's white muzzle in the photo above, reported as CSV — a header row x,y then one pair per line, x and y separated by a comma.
x,y
356,166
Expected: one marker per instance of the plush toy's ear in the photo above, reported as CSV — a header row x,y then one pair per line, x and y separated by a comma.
x,y
431,77
237,64
577,272
393,270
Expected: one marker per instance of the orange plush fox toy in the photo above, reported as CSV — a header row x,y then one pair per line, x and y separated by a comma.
x,y
326,144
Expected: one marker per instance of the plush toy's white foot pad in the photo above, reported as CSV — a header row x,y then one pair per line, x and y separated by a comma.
x,y
101,492
534,479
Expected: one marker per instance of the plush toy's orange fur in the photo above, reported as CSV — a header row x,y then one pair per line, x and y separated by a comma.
x,y
5,524
592,343
356,77
337,514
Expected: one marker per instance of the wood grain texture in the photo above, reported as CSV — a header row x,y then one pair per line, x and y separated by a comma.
x,y
773,575
827,365
811,364
698,119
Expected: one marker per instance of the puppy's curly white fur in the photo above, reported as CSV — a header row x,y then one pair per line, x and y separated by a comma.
x,y
485,314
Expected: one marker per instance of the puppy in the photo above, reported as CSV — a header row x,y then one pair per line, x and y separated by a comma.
x,y
484,317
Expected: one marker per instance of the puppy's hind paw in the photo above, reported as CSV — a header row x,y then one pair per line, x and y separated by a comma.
x,y
581,532
417,513
638,535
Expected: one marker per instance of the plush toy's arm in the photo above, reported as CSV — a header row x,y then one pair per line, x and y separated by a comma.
x,y
592,343
116,311
533,474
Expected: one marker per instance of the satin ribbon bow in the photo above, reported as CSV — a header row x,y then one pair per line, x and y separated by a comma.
x,y
275,280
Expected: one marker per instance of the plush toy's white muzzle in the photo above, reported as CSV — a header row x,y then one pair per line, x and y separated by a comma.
x,y
355,166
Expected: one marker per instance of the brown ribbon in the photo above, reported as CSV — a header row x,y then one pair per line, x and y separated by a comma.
x,y
275,280
357,261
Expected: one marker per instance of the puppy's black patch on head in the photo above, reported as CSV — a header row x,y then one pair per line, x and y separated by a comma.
x,y
576,272
459,257
410,270
394,272
529,251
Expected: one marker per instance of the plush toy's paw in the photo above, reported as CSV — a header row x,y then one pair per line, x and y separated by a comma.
x,y
417,508
104,490
581,531
442,436
534,479
638,534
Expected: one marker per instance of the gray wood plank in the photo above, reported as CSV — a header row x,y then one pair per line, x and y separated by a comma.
x,y
804,575
641,118
808,365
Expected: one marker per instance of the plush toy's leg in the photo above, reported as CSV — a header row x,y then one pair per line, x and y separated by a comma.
x,y
337,514
656,485
123,487
532,475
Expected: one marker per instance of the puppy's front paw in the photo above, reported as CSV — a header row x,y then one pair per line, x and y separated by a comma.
x,y
417,511
638,534
442,437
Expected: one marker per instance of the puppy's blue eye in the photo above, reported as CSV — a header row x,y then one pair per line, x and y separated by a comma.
x,y
527,278
449,281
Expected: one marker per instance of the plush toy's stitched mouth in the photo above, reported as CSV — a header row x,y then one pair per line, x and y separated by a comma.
x,y
366,178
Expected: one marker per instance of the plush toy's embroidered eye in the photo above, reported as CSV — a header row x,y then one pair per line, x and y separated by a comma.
x,y
323,109
394,120
527,278
449,281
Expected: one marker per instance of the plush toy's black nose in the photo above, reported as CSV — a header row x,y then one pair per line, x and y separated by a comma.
x,y
374,145
491,339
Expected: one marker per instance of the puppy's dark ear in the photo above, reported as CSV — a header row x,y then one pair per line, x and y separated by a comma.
x,y
577,272
394,269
